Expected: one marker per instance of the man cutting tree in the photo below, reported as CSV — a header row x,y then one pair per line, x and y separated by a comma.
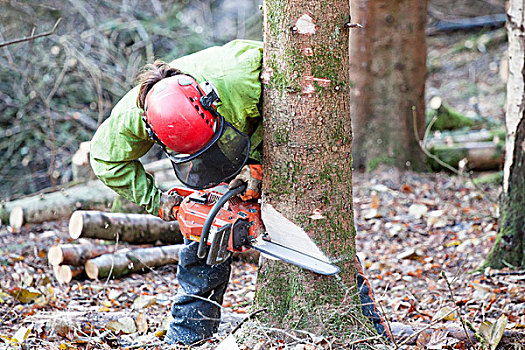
x,y
202,109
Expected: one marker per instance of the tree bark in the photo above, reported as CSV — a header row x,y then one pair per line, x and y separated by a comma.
x,y
307,160
132,228
56,205
76,254
387,71
124,263
509,247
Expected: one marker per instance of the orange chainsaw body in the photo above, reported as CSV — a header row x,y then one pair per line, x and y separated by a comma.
x,y
243,216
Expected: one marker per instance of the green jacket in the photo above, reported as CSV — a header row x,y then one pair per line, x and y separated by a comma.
x,y
122,139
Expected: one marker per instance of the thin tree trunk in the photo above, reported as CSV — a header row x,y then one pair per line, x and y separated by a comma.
x,y
132,228
307,160
509,248
387,71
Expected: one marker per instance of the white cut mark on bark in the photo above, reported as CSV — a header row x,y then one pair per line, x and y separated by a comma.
x,y
305,25
266,75
288,234
317,214
307,51
308,87
323,82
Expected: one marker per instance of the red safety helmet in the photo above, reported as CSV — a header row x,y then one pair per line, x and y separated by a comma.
x,y
176,116
180,116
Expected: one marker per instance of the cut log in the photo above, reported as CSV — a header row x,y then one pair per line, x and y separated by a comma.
x,y
76,254
64,273
81,168
132,228
123,263
479,155
56,205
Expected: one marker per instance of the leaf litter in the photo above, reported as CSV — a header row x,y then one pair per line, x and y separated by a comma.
x,y
404,252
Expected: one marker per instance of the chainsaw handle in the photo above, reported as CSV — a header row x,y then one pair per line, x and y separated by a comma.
x,y
203,243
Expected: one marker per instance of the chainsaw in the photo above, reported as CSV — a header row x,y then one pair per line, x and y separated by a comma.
x,y
222,223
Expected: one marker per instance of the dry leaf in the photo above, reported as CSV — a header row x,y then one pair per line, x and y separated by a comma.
x,y
144,301
417,210
127,325
26,295
21,334
446,313
375,200
492,332
228,343
142,324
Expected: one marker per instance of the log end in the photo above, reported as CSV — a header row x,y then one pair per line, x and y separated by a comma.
x,y
75,224
63,273
16,218
91,269
55,256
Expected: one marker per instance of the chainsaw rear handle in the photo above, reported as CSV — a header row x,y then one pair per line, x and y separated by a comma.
x,y
203,243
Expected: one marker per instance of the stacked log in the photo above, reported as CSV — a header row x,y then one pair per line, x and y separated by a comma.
x,y
101,260
56,205
132,228
126,262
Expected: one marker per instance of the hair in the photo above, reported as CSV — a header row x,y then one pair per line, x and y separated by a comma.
x,y
152,74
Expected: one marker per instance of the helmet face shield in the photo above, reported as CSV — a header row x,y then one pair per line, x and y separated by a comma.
x,y
219,161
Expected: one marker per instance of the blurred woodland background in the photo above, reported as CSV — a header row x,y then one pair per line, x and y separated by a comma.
x,y
55,91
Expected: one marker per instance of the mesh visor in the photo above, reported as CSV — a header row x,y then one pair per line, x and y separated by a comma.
x,y
220,162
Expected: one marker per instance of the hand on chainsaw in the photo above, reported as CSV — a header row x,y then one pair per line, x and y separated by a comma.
x,y
252,176
169,201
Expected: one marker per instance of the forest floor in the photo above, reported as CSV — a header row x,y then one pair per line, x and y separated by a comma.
x,y
417,233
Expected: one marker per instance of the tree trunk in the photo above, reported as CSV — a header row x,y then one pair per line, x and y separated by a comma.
x,y
132,228
307,160
76,254
124,263
509,248
387,71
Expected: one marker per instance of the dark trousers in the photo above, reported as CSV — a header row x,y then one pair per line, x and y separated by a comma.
x,y
197,318
196,310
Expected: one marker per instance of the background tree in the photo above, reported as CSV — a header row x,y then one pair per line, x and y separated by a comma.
x,y
307,160
509,248
387,70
